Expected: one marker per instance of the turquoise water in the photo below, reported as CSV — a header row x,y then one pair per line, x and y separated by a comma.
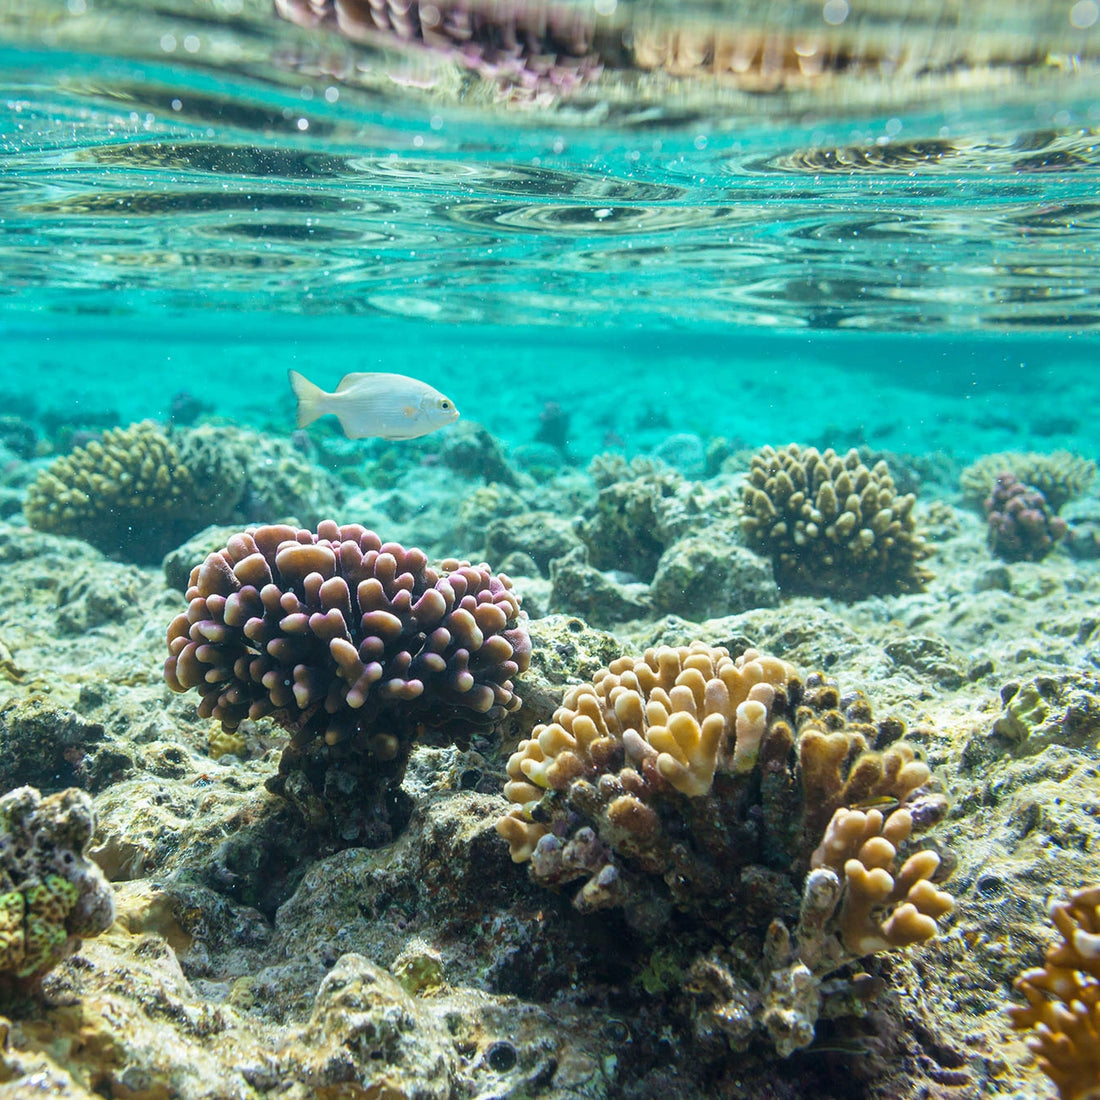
x,y
199,197
688,229
625,390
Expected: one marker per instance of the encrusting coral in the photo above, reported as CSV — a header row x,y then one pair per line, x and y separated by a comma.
x,y
356,648
50,895
688,781
126,494
1063,999
831,525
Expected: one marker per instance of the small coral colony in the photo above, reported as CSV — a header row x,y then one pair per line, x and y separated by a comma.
x,y
729,791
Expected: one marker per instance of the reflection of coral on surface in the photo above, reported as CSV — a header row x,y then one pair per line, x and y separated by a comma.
x,y
689,781
354,647
1022,526
50,895
1063,999
527,48
831,525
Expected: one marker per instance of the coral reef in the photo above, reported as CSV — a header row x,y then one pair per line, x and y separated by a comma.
x,y
1063,999
543,535
577,588
624,528
48,747
1059,476
1051,710
636,518
611,466
686,781
229,926
247,476
1083,537
401,1051
553,429
477,509
50,895
710,574
128,494
353,646
830,525
1021,525
138,492
684,452
470,449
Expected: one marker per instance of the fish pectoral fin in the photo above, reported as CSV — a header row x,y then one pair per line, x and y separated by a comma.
x,y
410,410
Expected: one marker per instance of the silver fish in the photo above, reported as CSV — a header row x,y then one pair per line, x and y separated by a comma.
x,y
386,406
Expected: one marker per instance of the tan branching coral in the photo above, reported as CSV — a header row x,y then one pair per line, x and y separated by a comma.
x,y
671,714
831,525
686,779
1059,476
125,494
1063,999
884,906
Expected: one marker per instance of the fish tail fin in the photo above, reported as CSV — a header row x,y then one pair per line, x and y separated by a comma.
x,y
311,398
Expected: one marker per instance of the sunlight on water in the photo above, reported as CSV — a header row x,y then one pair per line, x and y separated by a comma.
x,y
650,167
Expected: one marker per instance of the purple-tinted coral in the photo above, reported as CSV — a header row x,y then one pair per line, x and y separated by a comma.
x,y
1022,525
355,647
526,49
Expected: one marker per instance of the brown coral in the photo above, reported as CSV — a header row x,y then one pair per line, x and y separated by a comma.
x,y
832,526
1059,476
127,494
884,906
1063,999
681,731
355,647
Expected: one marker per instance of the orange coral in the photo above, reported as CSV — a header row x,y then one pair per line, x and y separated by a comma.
x,y
1063,999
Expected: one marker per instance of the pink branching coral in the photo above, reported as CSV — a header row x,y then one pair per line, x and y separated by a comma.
x,y
1022,526
355,647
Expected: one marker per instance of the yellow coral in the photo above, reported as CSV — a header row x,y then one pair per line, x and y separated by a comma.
x,y
884,906
1063,999
220,742
12,912
676,714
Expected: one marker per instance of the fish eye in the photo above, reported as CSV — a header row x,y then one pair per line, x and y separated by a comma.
x,y
444,404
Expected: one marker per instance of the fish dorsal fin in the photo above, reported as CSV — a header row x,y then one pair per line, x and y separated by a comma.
x,y
349,380
372,379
